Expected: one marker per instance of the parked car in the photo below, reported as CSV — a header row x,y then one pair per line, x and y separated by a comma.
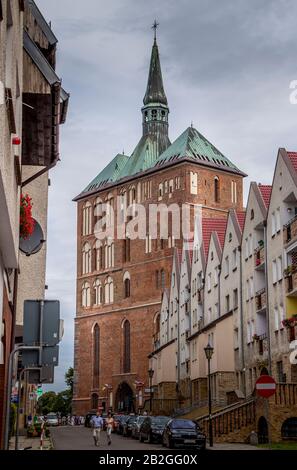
x,y
183,433
121,422
52,419
116,419
152,428
136,426
127,427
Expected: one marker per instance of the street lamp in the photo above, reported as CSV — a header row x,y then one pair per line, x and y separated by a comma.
x,y
151,374
208,353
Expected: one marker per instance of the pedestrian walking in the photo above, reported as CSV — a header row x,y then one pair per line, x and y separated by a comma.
x,y
109,427
97,425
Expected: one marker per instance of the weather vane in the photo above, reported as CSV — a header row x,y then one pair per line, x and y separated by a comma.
x,y
154,27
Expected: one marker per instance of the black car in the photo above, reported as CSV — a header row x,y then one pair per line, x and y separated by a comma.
x,y
127,426
152,428
183,433
136,426
121,422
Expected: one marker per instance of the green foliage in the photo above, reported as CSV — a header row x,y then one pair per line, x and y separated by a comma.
x,y
69,378
13,414
57,402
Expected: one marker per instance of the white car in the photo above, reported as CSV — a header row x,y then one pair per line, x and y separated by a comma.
x,y
52,419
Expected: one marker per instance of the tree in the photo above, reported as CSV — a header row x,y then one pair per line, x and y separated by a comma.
x,y
69,378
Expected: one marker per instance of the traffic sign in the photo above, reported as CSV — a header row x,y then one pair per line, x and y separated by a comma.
x,y
265,386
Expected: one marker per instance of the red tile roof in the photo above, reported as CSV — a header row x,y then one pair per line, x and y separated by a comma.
x,y
241,218
265,190
210,225
293,157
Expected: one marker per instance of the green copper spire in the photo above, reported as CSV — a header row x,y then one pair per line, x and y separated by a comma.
x,y
155,90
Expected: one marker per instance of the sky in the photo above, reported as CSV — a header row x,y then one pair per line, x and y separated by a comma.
x,y
227,67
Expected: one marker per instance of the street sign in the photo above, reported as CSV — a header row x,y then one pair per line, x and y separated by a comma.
x,y
50,325
265,386
44,376
50,356
31,396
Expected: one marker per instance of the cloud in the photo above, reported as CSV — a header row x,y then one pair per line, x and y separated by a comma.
x,y
226,66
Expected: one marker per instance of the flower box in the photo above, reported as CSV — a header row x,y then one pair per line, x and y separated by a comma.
x,y
26,220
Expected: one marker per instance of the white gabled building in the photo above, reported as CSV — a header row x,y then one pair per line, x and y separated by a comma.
x,y
230,293
184,323
255,335
282,265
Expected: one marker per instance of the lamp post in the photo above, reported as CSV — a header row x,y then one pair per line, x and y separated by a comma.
x,y
151,374
208,353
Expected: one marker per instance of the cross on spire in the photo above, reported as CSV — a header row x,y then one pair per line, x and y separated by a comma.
x,y
154,27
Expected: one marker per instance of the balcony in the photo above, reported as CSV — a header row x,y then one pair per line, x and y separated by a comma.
x,y
290,274
262,343
290,230
260,300
259,256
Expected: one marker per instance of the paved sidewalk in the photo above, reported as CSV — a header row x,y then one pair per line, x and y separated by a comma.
x,y
33,442
235,446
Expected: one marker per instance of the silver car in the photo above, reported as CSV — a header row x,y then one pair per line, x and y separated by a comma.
x,y
52,419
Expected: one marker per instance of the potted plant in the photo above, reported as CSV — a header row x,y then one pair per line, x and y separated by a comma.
x,y
288,271
261,243
258,262
26,220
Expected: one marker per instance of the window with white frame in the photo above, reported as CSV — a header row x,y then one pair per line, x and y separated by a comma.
x,y
200,283
166,186
216,310
279,268
209,314
274,271
86,259
87,219
86,295
108,290
98,292
170,186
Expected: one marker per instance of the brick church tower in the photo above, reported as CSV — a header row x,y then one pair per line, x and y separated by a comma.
x,y
120,278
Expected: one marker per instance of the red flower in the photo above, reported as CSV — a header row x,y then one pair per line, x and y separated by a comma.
x,y
26,220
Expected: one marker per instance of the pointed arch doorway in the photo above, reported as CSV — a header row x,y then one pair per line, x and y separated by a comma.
x,y
124,399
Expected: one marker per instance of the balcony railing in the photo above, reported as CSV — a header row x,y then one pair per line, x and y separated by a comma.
x,y
261,299
290,273
290,230
259,256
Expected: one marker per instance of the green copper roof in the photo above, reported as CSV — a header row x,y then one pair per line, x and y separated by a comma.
x,y
192,144
155,90
144,156
110,173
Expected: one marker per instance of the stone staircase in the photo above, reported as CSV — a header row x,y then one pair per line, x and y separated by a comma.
x,y
233,423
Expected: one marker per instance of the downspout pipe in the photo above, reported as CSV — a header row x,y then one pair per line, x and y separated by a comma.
x,y
242,357
267,299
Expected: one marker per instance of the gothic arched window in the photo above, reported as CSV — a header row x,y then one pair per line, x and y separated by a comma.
x,y
127,285
86,258
109,290
96,353
216,189
87,219
86,295
126,338
98,255
98,292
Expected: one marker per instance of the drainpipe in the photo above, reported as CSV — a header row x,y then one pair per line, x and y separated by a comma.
x,y
178,346
267,299
242,361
